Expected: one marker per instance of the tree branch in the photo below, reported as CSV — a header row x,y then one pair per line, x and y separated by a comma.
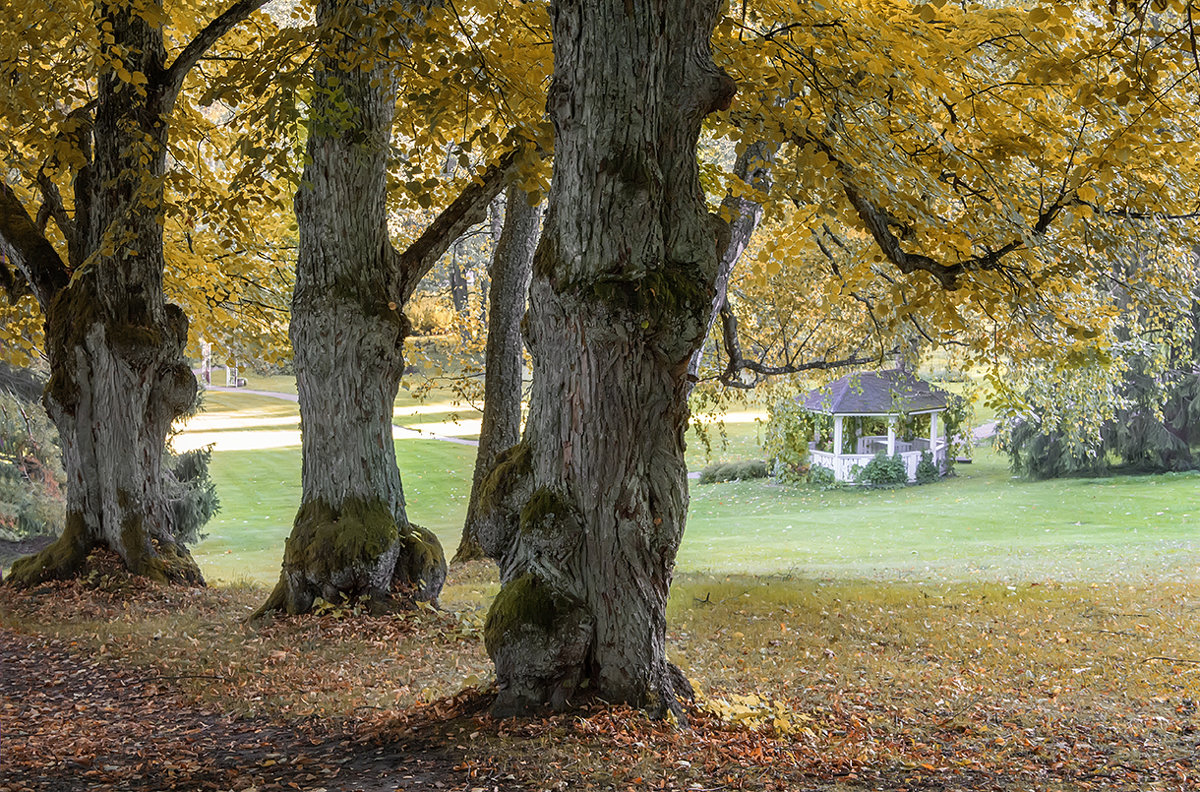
x,y
172,79
35,257
879,224
730,377
469,208
52,207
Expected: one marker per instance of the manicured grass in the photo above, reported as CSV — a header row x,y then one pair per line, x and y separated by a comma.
x,y
729,441
982,525
260,491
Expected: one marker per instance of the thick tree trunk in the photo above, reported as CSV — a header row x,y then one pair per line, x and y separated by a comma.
x,y
118,375
585,515
352,537
512,265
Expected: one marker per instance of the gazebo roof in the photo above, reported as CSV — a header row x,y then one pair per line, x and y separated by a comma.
x,y
877,393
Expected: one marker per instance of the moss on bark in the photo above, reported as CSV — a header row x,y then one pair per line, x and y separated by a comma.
x,y
526,601
59,561
325,541
421,567
511,464
337,554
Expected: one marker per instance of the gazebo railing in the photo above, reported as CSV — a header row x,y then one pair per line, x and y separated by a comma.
x,y
843,465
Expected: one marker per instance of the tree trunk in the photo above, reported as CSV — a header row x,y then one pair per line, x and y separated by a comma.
x,y
511,268
352,538
459,293
118,375
754,167
585,515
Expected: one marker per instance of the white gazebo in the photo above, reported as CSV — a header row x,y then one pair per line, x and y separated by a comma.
x,y
879,394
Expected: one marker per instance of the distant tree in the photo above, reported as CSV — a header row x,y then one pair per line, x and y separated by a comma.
x,y
1137,406
512,266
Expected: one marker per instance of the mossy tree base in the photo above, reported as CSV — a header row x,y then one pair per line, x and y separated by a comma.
x,y
62,560
356,553
67,556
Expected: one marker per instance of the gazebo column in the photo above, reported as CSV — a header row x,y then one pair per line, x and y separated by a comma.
x,y
933,436
891,435
837,435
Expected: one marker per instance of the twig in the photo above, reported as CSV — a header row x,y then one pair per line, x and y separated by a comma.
x,y
1172,659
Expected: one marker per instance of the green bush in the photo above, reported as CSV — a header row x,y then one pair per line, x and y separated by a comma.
x,y
883,471
190,491
821,477
741,470
927,470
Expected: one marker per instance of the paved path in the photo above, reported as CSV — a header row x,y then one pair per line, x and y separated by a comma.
x,y
984,431
294,398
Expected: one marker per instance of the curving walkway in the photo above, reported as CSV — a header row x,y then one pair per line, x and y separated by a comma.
x,y
296,399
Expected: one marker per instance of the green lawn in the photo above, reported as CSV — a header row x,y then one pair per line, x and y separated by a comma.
x,y
981,525
260,491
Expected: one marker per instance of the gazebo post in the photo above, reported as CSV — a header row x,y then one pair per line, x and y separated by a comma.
x,y
837,435
891,435
933,434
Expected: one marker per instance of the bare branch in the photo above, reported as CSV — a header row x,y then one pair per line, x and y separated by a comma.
x,y
731,376
469,208
52,207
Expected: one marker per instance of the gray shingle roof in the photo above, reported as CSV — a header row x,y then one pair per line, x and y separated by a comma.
x,y
876,393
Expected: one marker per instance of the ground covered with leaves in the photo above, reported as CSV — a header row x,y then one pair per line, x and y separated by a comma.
x,y
112,684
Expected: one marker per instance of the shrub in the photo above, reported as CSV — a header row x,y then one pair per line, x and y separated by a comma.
x,y
741,470
883,471
927,471
821,477
190,491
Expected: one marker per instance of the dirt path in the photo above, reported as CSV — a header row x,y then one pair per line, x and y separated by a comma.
x,y
294,398
71,723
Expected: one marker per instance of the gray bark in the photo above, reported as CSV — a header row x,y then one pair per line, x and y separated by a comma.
x,y
458,281
512,265
352,537
585,515
753,166
118,374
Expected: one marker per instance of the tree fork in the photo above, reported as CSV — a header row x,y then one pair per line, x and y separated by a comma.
x,y
118,374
